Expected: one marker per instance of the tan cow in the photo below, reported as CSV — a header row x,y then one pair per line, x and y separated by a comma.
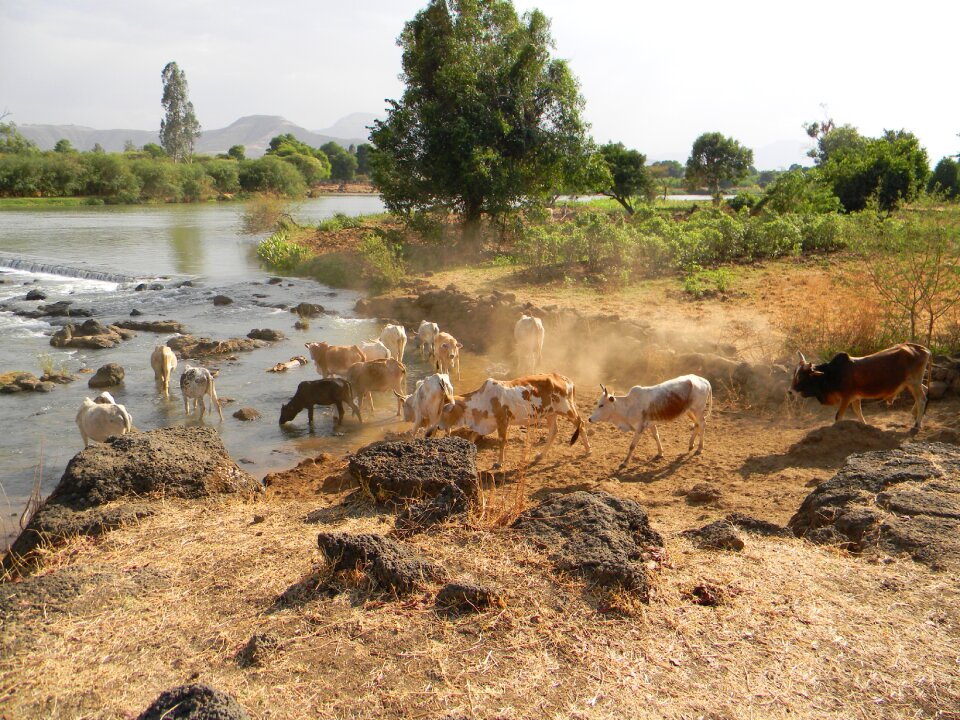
x,y
498,404
446,353
377,376
163,362
334,359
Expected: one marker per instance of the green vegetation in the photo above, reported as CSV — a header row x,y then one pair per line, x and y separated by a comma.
x,y
716,160
627,180
488,121
179,127
279,253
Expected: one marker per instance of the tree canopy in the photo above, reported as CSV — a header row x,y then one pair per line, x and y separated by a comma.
x,y
179,127
946,178
488,119
629,179
716,159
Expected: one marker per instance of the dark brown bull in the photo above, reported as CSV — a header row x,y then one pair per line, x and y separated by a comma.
x,y
847,380
330,391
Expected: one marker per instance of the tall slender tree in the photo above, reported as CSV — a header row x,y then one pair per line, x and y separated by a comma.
x,y
179,127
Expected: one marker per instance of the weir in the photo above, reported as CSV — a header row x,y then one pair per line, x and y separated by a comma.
x,y
38,265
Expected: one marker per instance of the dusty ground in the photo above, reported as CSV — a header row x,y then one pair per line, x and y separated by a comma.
x,y
800,632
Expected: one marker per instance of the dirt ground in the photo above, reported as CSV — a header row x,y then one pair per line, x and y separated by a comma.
x,y
799,631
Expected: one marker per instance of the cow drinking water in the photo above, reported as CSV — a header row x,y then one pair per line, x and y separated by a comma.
x,y
329,391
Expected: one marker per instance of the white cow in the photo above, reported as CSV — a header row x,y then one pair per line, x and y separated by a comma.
x,y
163,362
423,406
426,334
195,383
101,418
498,404
375,350
644,407
395,338
528,339
446,353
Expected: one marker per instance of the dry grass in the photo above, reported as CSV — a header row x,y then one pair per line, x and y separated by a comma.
x,y
801,631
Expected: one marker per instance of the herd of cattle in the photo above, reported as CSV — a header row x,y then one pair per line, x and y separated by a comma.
x,y
352,373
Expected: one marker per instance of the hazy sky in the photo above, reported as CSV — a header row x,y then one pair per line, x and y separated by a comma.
x,y
654,74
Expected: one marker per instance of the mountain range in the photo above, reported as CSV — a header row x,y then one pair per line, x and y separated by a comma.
x,y
254,132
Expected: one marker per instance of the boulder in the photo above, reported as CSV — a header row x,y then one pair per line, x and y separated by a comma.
x,y
247,414
91,335
266,334
222,300
36,294
135,313
393,566
719,535
606,539
106,376
188,462
937,389
257,649
413,469
61,308
155,326
194,702
758,527
420,516
463,597
188,346
704,492
307,310
904,501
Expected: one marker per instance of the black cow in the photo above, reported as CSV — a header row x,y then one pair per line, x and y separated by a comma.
x,y
329,391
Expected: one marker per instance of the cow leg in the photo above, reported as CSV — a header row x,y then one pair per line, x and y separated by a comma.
x,y
551,434
857,410
841,410
399,407
656,436
502,434
369,396
919,403
310,414
633,443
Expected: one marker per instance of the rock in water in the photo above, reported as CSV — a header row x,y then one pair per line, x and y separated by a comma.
x,y
266,334
107,376
222,300
194,702
307,310
901,501
606,539
247,414
188,462
412,470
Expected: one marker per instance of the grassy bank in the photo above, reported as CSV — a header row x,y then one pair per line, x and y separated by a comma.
x,y
45,203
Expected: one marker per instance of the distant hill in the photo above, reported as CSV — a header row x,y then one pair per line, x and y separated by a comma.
x,y
253,131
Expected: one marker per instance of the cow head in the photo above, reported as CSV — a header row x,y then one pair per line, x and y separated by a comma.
x,y
606,406
451,417
288,412
409,406
807,379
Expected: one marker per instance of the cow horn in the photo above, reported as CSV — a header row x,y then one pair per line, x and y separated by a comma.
x,y
603,388
802,358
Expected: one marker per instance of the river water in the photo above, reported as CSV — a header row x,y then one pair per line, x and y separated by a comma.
x,y
95,257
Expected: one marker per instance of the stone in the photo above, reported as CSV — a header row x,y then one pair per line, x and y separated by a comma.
x,y
430,511
903,501
135,313
257,649
247,414
604,538
937,389
188,346
222,300
463,597
719,535
194,702
307,310
106,376
393,566
266,334
156,326
758,527
413,469
36,294
704,492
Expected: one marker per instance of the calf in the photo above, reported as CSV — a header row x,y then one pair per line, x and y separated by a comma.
x,y
101,418
498,404
375,350
195,384
644,407
846,380
423,406
334,359
163,362
426,334
395,338
446,353
528,342
377,376
329,391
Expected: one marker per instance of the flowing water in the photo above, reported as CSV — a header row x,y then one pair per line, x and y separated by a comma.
x,y
95,257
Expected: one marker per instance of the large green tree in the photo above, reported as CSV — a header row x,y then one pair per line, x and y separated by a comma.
x,y
179,127
343,163
488,119
945,178
629,179
715,160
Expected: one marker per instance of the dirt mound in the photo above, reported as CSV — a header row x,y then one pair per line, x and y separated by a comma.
x,y
463,597
719,535
602,537
187,462
258,648
845,437
450,501
905,500
758,527
402,469
391,565
194,702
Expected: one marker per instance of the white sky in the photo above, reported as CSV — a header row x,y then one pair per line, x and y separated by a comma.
x,y
654,74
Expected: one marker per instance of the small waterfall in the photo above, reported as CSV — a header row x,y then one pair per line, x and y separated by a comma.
x,y
25,263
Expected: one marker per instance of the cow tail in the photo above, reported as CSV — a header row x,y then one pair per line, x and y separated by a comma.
x,y
576,413
709,401
127,421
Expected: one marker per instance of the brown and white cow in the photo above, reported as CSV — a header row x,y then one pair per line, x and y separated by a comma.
x,y
334,359
163,362
423,406
498,404
644,407
846,380
195,384
377,376
446,353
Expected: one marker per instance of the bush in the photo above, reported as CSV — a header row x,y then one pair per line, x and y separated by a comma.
x,y
271,174
280,254
339,221
381,265
743,200
263,213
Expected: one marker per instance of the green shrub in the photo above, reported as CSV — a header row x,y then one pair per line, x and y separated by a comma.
x,y
280,254
339,221
381,265
743,200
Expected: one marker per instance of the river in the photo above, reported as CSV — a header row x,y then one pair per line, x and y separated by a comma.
x,y
95,257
